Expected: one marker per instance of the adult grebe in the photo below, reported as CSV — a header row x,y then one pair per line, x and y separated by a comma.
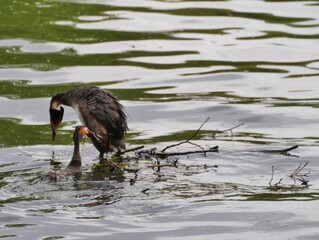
x,y
99,111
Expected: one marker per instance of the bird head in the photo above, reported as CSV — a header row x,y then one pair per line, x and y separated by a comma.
x,y
80,132
56,116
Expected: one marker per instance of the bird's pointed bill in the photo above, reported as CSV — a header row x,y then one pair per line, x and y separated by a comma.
x,y
53,133
83,131
56,117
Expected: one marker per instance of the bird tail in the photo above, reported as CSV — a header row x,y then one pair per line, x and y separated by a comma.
x,y
117,145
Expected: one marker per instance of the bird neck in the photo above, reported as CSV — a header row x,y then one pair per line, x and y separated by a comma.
x,y
59,99
76,159
55,105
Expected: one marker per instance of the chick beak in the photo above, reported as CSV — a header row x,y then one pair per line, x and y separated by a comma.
x,y
83,131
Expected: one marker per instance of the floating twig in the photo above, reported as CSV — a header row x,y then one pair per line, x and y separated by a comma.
x,y
280,151
164,154
188,140
273,169
226,130
119,153
298,175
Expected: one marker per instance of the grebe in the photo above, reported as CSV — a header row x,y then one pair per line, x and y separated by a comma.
x,y
99,111
79,133
74,166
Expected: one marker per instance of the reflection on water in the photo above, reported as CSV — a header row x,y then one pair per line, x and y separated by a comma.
x,y
172,64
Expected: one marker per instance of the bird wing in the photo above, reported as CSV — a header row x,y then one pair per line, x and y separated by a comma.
x,y
108,111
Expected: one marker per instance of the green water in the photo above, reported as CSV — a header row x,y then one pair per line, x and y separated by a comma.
x,y
172,64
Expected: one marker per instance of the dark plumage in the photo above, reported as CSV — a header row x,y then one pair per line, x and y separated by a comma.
x,y
78,134
98,110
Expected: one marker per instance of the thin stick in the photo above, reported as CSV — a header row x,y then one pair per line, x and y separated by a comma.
x,y
164,154
273,169
297,173
226,130
280,150
272,174
129,150
188,140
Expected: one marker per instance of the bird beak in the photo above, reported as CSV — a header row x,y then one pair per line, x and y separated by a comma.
x,y
80,132
56,117
83,131
54,129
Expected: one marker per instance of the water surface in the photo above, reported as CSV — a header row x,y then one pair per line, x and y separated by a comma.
x,y
173,64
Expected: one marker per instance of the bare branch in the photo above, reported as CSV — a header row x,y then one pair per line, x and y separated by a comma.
x,y
226,130
129,150
272,174
164,154
273,169
299,175
188,140
280,151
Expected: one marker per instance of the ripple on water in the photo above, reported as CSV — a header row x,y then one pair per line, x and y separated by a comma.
x,y
173,64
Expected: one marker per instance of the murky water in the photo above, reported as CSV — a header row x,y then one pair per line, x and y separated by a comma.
x,y
173,64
